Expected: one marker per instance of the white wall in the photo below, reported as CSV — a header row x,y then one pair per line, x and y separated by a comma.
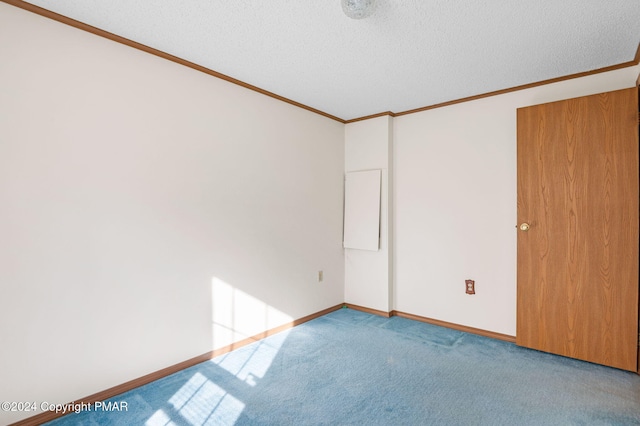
x,y
368,280
131,189
455,203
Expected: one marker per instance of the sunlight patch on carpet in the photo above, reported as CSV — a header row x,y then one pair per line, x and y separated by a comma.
x,y
201,402
159,418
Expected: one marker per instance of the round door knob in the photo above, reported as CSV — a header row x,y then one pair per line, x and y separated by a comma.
x,y
524,227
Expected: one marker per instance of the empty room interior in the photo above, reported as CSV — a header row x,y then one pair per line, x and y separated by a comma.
x,y
178,180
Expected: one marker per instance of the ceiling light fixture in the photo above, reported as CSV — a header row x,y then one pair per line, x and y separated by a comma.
x,y
358,9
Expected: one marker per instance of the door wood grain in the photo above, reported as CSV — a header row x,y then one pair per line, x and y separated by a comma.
x,y
578,262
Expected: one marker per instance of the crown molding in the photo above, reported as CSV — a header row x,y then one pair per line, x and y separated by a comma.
x,y
368,117
631,63
118,39
97,31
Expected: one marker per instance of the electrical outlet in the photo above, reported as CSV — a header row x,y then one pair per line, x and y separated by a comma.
x,y
470,286
320,276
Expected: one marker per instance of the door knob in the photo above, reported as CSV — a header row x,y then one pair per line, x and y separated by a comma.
x,y
524,226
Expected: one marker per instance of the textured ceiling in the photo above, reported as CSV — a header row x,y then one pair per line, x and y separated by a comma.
x,y
409,54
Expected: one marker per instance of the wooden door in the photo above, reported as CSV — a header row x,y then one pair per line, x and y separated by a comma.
x,y
578,261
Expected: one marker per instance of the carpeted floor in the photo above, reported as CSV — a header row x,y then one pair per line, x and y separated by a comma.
x,y
352,368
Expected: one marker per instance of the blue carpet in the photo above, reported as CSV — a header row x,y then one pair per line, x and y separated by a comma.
x,y
352,368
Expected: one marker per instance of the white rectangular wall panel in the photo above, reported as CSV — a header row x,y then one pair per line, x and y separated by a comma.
x,y
362,210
